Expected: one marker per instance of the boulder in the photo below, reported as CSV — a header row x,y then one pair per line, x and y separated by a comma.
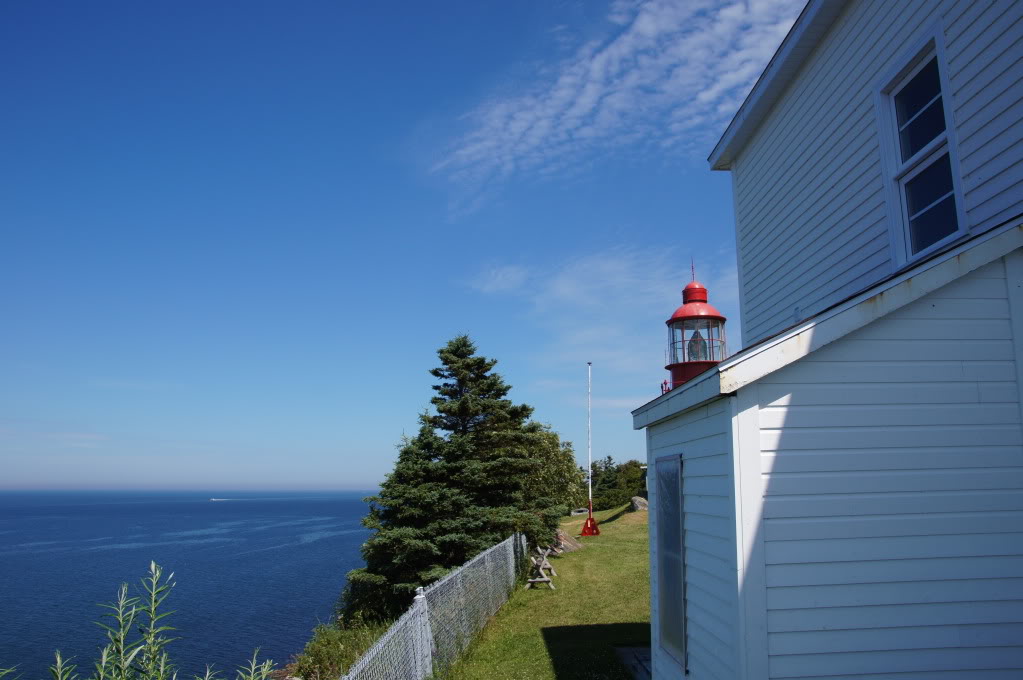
x,y
568,543
639,503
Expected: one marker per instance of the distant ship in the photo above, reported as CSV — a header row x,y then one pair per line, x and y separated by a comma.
x,y
219,499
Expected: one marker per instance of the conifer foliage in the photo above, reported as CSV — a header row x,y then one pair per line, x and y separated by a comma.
x,y
466,481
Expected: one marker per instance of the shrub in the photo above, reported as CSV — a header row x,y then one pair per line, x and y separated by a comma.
x,y
334,648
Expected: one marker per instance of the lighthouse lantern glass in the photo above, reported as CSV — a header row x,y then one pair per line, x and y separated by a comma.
x,y
697,340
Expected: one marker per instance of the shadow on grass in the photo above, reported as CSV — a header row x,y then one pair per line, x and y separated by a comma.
x,y
587,652
618,515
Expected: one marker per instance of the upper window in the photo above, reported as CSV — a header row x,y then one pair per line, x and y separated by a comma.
x,y
925,203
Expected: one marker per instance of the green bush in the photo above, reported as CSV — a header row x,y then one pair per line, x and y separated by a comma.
x,y
615,484
137,638
334,648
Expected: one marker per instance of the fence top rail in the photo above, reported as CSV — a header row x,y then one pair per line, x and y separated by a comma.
x,y
454,572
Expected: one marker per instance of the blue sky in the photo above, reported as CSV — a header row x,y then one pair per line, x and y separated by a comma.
x,y
234,235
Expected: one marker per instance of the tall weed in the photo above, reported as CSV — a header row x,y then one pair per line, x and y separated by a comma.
x,y
137,640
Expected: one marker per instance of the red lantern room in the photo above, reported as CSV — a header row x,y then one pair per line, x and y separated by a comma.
x,y
696,337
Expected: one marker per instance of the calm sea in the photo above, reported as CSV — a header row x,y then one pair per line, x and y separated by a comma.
x,y
252,570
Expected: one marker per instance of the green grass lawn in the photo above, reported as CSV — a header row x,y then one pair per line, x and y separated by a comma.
x,y
602,601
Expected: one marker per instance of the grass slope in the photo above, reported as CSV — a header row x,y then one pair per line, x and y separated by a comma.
x,y
602,601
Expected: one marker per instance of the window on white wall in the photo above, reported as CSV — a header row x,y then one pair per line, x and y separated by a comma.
x,y
918,148
671,568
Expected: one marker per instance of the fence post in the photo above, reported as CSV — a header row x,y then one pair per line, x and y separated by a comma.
x,y
511,562
424,636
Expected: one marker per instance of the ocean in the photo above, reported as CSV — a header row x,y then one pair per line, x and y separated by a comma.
x,y
252,570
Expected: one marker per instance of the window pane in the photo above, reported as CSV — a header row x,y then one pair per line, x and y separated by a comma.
x,y
929,185
924,87
934,224
923,129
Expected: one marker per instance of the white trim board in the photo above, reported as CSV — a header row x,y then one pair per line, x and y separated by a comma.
x,y
1014,291
750,365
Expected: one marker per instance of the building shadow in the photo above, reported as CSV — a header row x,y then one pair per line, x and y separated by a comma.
x,y
618,515
588,652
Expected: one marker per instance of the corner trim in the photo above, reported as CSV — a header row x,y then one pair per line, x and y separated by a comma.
x,y
1014,292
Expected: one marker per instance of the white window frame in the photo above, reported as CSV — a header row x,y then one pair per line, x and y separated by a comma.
x,y
897,172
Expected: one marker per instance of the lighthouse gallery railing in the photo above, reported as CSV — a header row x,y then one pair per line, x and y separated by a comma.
x,y
445,617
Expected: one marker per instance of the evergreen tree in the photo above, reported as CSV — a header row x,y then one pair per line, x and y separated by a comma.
x,y
616,484
458,487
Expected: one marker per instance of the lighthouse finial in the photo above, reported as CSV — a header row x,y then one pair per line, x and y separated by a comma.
x,y
692,265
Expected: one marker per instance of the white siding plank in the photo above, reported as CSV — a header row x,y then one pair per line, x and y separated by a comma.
x,y
971,674
783,484
896,616
889,571
813,371
864,415
860,526
891,437
893,548
776,395
932,349
840,505
906,592
919,637
908,458
818,665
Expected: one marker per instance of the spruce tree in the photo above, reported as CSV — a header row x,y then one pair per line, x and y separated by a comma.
x,y
457,488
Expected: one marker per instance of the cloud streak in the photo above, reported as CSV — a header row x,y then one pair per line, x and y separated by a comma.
x,y
609,307
668,75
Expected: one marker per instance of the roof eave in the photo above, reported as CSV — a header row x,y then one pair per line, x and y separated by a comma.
x,y
808,30
762,359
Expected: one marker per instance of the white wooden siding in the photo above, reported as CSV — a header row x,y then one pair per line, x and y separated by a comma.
x,y
892,463
703,437
809,197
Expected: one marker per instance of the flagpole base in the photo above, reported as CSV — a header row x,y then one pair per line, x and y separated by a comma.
x,y
590,525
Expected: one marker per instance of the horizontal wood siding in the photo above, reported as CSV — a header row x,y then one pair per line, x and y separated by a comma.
x,y
893,512
812,224
984,44
703,438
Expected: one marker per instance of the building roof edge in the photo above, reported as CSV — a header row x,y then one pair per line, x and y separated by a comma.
x,y
807,31
772,354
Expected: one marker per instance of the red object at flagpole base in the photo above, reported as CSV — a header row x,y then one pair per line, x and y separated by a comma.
x,y
590,525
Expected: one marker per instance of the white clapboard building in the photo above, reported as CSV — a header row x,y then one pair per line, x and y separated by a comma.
x,y
844,497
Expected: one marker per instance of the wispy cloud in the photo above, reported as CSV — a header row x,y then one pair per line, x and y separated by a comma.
x,y
609,307
667,75
500,279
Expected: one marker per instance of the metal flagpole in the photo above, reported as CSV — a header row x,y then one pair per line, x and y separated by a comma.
x,y
590,526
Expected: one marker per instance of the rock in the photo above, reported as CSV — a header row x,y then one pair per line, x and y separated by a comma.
x,y
568,543
639,503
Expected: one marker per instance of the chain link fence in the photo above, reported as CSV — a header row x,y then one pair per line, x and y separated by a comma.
x,y
445,617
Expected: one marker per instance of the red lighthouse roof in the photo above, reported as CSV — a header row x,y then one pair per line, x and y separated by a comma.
x,y
694,304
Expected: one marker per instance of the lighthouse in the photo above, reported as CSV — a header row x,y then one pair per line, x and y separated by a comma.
x,y
696,337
